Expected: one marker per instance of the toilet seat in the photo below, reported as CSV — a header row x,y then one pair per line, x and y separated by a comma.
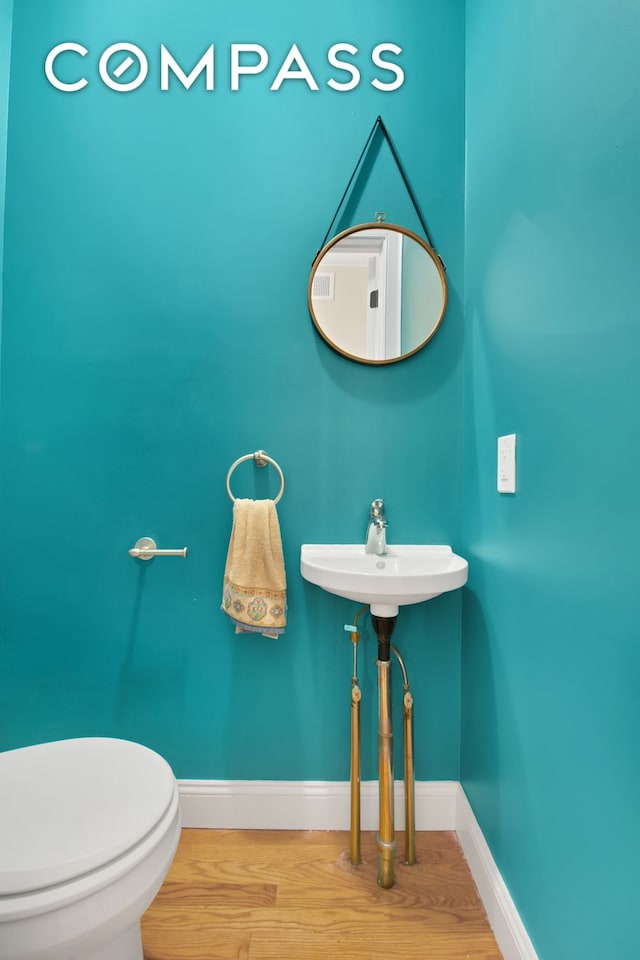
x,y
73,807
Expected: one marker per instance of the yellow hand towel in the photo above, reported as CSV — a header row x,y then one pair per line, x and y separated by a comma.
x,y
255,586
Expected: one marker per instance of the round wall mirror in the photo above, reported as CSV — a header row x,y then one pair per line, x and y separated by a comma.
x,y
377,293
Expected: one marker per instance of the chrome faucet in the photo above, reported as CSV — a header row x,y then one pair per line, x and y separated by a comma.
x,y
376,540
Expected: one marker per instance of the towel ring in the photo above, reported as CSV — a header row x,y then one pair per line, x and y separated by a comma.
x,y
261,460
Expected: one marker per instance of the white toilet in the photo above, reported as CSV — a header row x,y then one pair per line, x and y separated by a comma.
x,y
88,830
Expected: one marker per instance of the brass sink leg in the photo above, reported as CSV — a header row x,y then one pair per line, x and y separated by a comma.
x,y
355,775
386,835
354,845
409,783
409,780
383,627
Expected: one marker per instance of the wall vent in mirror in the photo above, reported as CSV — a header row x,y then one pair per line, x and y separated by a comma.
x,y
323,285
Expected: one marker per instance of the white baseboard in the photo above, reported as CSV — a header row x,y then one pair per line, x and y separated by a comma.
x,y
508,929
307,805
324,805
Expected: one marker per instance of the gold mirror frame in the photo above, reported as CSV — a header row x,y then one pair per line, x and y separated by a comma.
x,y
432,322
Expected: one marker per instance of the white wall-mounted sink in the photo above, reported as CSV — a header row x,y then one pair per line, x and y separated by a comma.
x,y
405,574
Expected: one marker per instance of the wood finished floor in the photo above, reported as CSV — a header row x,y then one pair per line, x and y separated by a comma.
x,y
293,895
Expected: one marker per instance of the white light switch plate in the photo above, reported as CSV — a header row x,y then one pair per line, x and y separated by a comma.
x,y
507,464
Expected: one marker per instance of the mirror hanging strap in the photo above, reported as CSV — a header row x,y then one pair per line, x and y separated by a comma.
x,y
379,124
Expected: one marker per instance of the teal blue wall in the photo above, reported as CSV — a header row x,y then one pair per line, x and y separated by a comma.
x,y
551,651
6,12
158,248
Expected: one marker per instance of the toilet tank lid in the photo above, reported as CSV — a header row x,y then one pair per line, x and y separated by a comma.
x,y
72,806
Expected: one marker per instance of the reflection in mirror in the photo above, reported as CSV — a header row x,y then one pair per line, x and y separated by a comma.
x,y
377,293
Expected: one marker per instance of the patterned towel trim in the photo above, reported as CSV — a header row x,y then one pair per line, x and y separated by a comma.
x,y
255,610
